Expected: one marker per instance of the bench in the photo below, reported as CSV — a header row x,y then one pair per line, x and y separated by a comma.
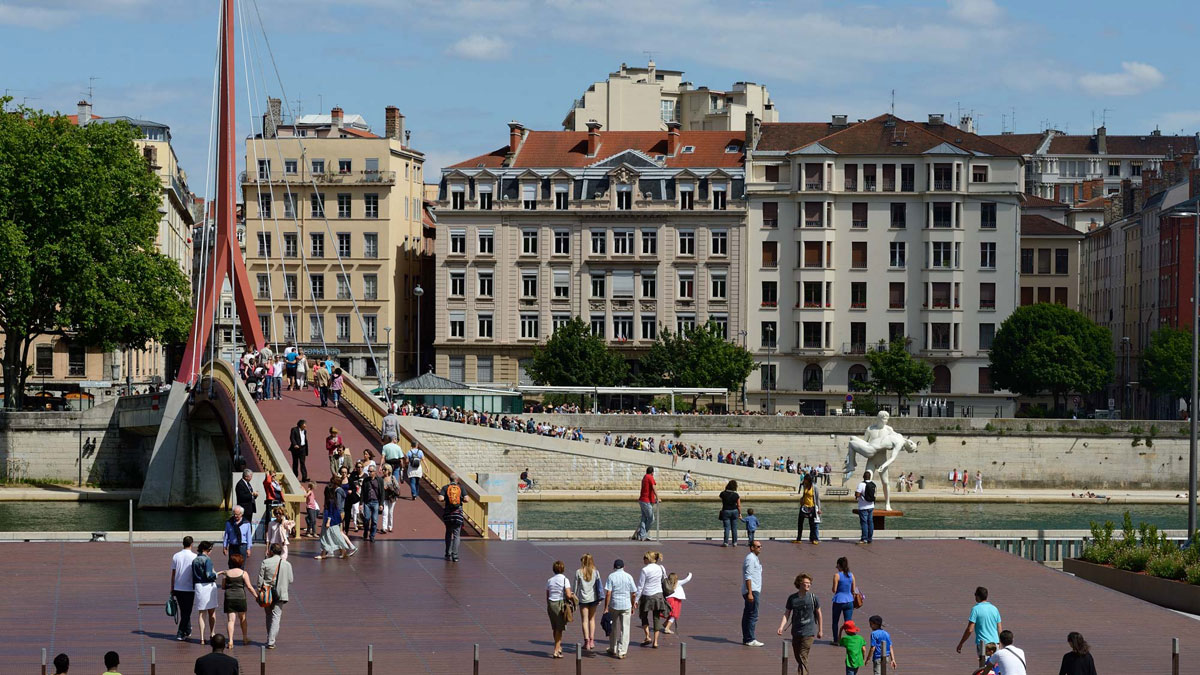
x,y
837,491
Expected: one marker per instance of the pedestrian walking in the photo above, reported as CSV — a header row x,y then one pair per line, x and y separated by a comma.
x,y
414,469
332,538
205,588
301,371
1078,661
587,590
731,512
237,587
673,587
276,574
298,446
751,521
321,380
277,379
238,539
804,612
647,498
751,594
845,587
984,622
865,494
280,530
389,428
810,509
978,481
333,445
112,661
1008,660
619,593
393,454
311,511
372,496
183,587
558,597
855,647
336,383
880,648
451,497
217,662
246,496
391,492
652,605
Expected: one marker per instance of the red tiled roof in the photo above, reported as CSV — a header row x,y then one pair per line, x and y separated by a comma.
x,y
358,132
882,135
1035,202
1024,144
1123,145
792,135
545,149
1093,203
1041,226
74,119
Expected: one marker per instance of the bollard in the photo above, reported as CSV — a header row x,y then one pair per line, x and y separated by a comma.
x,y
1174,656
578,659
153,660
783,643
370,659
682,658
43,661
476,671
262,660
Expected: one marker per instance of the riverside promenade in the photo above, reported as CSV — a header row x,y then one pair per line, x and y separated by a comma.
x,y
423,615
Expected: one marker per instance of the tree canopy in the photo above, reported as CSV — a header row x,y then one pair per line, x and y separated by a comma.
x,y
1167,363
573,357
78,223
894,370
698,357
1050,348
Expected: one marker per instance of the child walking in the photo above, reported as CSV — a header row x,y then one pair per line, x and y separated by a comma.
x,y
880,648
751,521
675,598
855,647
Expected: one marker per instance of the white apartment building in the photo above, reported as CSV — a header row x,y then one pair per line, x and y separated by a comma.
x,y
632,231
646,99
878,230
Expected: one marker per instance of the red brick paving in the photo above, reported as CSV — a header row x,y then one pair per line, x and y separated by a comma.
x,y
423,614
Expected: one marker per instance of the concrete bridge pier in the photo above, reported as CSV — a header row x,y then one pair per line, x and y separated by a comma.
x,y
191,463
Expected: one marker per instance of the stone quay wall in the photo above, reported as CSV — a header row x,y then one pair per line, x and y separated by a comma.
x,y
46,446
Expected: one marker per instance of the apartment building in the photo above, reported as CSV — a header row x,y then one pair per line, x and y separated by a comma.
x,y
335,237
1049,263
1074,168
227,329
647,99
875,230
633,231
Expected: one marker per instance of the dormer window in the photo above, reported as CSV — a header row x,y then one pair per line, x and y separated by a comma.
x,y
732,148
458,197
562,196
689,149
687,196
718,197
624,197
485,197
529,196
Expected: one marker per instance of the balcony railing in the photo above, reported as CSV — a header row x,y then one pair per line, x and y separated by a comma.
x,y
858,305
908,186
869,185
896,305
851,186
943,223
854,348
983,304
347,178
812,185
860,224
813,305
943,184
889,185
812,222
770,222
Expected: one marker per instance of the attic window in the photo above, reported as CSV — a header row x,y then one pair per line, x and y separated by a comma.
x,y
479,165
659,158
688,149
732,148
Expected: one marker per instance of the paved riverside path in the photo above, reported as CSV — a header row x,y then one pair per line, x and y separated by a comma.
x,y
414,520
423,615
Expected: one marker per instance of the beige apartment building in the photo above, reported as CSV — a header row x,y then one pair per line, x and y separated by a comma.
x,y
633,231
647,99
1049,265
875,230
334,237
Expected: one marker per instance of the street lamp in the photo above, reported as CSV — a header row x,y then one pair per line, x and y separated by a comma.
x,y
769,332
1125,390
387,362
743,334
418,292
1194,211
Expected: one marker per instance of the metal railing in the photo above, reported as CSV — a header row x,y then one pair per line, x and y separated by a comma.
x,y
378,177
1049,545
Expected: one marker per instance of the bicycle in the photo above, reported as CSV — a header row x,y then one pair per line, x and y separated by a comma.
x,y
686,489
527,488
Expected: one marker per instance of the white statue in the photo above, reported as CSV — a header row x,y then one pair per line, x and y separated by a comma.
x,y
880,445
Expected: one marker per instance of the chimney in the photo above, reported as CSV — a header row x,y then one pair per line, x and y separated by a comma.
x,y
272,118
1102,140
393,123
936,119
839,120
967,124
85,113
651,71
335,117
752,133
516,132
672,138
593,137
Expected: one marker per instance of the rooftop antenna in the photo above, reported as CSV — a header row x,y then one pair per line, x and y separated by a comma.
x,y
893,103
1012,118
1104,117
1003,123
649,55
91,93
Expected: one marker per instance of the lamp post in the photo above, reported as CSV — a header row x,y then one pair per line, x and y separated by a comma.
x,y
1125,388
1194,211
387,361
418,292
743,334
770,335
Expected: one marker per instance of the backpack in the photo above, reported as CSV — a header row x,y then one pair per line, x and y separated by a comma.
x,y
869,491
414,460
454,496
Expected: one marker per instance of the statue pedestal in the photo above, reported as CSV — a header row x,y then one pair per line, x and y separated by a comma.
x,y
880,517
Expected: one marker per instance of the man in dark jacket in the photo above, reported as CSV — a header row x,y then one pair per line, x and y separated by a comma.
x,y
372,495
299,449
245,495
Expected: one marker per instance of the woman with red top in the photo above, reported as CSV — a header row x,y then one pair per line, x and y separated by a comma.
x,y
332,442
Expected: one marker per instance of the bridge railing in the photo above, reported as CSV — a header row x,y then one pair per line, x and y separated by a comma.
x,y
434,469
254,429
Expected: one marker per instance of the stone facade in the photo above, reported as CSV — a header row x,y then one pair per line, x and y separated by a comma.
x,y
47,446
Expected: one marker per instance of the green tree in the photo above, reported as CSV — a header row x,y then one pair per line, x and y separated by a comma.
x,y
1048,347
1167,363
894,370
573,357
698,357
78,223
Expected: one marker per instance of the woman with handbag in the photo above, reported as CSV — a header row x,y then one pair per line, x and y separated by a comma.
x,y
845,593
391,492
810,508
237,587
587,590
652,606
559,605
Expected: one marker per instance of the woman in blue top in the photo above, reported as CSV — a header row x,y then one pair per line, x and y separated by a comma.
x,y
332,539
844,589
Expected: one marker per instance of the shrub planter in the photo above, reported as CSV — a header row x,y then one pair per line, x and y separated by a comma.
x,y
1177,595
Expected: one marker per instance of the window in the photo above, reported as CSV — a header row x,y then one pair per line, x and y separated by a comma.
x,y
1114,169
649,285
317,244
458,323
770,254
1026,261
483,367
770,293
721,321
597,325
371,327
897,254
813,293
486,242
1043,261
343,205
562,242
529,284
316,284
529,196
290,245
562,284
264,286
987,255
767,376
458,284
485,284
896,331
264,206
941,294
370,245
1060,295
343,287
979,173
289,286
770,214
264,169
720,243
623,327
289,328
1135,168
666,110
649,242
558,321
289,204
858,295
343,327
717,285
858,255
899,215
370,287
1043,294
719,202
264,244
318,167
44,364
599,239
76,361
485,197
624,197
942,214
529,242
458,241
623,242
769,334
1061,260
458,197
987,215
598,285
344,166
1026,296
370,206
987,295
896,295
771,173
457,368
810,335
941,254
687,284
291,167
562,198
687,242
687,196
649,327
985,380
317,205
939,334
622,283
858,217
684,323
343,244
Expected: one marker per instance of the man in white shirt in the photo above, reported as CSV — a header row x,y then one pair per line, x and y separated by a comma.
x,y
620,590
183,587
865,493
751,593
1008,660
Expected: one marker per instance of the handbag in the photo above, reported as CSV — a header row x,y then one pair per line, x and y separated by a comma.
x,y
266,593
172,608
568,611
858,600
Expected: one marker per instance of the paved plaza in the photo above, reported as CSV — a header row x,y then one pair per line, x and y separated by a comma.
x,y
423,615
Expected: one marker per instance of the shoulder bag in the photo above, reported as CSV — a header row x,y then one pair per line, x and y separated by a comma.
x,y
266,592
172,608
859,598
568,610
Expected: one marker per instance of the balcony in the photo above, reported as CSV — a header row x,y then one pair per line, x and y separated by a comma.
x,y
812,184
859,224
943,185
347,178
851,186
908,186
869,185
854,347
943,223
889,185
812,222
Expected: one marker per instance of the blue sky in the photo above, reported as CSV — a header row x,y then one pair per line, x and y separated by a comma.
x,y
461,69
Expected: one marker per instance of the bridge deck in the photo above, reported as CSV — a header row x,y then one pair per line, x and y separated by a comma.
x,y
423,615
414,520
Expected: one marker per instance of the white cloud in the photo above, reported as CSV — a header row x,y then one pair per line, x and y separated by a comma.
x,y
978,12
479,47
1134,78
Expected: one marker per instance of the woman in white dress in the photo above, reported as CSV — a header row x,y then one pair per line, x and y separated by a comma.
x,y
206,590
301,370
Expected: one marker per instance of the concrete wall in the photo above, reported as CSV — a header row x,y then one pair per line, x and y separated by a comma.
x,y
48,442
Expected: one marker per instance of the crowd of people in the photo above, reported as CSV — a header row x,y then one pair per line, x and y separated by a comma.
x,y
267,374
